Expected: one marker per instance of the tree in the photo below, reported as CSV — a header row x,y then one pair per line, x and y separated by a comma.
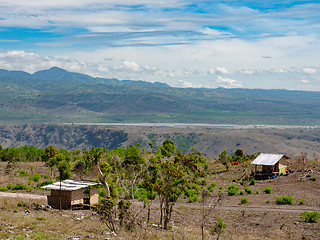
x,y
167,148
224,159
218,228
96,155
64,169
173,177
107,211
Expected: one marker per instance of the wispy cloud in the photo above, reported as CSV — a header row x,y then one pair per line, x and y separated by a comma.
x,y
228,82
171,41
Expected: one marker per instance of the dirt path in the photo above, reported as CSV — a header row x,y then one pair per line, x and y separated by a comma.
x,y
264,209
23,195
231,208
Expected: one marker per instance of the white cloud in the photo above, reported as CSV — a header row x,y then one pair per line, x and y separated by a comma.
x,y
309,71
131,65
191,72
218,70
228,82
304,81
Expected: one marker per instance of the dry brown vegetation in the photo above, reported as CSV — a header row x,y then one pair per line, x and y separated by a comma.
x,y
20,218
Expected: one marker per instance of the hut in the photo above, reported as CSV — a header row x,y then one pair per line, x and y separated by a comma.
x,y
270,164
68,194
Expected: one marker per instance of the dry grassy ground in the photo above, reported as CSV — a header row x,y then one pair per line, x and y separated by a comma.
x,y
256,219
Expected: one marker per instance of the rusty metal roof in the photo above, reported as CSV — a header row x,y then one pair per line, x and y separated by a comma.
x,y
267,159
70,185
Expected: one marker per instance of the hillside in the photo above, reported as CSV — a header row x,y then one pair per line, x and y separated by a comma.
x,y
211,141
59,96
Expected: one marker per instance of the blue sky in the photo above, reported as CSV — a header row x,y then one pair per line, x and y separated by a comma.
x,y
246,44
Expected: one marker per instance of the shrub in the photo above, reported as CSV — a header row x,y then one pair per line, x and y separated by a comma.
x,y
22,173
244,200
41,218
21,204
268,201
313,179
219,227
232,190
257,192
3,189
190,193
241,192
18,186
267,189
252,181
35,177
211,186
242,182
284,200
248,190
192,199
302,201
310,217
44,183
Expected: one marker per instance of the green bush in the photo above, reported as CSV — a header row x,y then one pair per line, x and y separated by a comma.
x,y
302,201
18,186
35,177
190,193
244,200
284,200
232,190
3,189
21,204
313,179
310,217
252,181
241,192
211,186
22,173
248,190
44,183
242,182
268,201
41,218
192,199
268,189
219,227
257,192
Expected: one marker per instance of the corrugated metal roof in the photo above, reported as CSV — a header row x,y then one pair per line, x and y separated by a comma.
x,y
70,185
267,159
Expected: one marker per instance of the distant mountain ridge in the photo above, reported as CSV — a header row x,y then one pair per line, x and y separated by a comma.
x,y
58,96
59,74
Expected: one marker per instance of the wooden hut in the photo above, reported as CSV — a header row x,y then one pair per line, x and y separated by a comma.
x,y
68,194
271,164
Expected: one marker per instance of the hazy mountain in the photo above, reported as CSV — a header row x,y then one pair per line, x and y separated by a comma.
x,y
56,95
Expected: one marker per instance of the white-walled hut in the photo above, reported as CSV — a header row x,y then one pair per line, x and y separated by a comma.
x,y
70,193
271,164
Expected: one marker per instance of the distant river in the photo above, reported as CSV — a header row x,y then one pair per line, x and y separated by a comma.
x,y
185,125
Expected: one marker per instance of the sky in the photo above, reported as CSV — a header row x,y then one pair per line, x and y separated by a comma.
x,y
270,44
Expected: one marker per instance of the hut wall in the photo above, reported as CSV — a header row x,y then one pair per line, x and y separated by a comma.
x,y
77,197
56,196
94,196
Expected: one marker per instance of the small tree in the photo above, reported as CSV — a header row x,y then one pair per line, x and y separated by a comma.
x,y
224,159
218,228
310,217
107,212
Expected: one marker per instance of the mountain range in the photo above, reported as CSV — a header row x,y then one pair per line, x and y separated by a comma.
x,y
58,96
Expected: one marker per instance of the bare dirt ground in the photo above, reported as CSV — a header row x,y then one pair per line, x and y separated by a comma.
x,y
260,218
